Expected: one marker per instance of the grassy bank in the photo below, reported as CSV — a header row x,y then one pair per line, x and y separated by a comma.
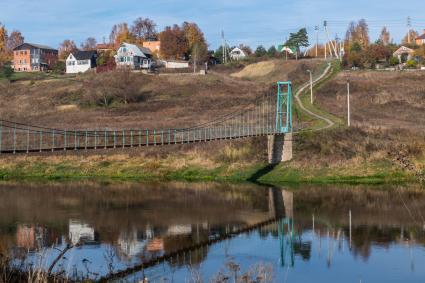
x,y
195,166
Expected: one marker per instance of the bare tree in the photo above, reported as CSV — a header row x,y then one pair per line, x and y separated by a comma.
x,y
66,47
89,44
385,36
14,39
144,29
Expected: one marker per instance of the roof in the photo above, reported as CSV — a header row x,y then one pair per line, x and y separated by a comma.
x,y
39,46
104,46
421,37
84,55
403,50
237,49
136,50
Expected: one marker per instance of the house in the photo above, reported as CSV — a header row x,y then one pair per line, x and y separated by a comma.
x,y
153,46
133,56
81,61
420,40
237,54
404,54
29,57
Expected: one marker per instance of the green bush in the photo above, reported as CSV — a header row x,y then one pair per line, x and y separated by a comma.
x,y
393,61
411,64
6,71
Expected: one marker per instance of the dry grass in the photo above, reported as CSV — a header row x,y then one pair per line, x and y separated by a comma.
x,y
260,69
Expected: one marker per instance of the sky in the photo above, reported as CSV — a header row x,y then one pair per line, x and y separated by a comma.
x,y
249,22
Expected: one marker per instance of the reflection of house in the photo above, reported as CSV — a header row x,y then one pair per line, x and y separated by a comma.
x,y
156,245
80,232
237,54
179,230
31,237
30,57
420,40
81,61
131,243
403,54
133,57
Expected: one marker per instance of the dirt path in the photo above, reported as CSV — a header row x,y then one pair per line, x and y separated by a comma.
x,y
329,122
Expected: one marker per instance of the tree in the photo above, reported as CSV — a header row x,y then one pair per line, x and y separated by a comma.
x,y
15,39
196,43
245,48
260,51
272,52
385,37
298,40
89,44
173,43
144,29
413,34
3,44
358,33
66,47
119,34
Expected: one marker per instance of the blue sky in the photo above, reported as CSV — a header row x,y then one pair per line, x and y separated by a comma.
x,y
251,22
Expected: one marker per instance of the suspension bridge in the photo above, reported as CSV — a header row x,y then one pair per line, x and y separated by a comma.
x,y
269,115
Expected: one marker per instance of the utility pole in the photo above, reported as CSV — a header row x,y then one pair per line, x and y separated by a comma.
x,y
348,105
223,47
325,24
316,28
409,28
311,86
326,50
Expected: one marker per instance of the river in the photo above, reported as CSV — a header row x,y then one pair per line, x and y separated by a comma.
x,y
308,233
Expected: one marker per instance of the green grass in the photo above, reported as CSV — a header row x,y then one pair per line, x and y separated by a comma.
x,y
377,173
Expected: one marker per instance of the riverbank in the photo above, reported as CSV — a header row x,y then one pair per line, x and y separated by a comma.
x,y
231,162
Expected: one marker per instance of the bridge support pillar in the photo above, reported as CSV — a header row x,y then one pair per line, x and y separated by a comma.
x,y
279,148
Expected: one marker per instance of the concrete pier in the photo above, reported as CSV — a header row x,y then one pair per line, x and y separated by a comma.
x,y
279,148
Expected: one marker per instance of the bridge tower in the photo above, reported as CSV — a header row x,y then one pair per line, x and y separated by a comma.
x,y
280,143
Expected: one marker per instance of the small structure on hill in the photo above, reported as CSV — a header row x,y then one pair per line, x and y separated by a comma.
x,y
237,54
404,54
133,57
420,40
81,61
30,57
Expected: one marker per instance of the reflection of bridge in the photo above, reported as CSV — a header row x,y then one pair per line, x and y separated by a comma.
x,y
280,212
270,115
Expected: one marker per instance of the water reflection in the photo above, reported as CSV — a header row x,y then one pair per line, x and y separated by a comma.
x,y
323,234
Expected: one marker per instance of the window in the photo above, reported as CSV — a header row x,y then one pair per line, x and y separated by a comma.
x,y
121,59
128,59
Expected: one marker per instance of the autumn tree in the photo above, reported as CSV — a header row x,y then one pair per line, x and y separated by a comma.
x,y
358,32
196,43
174,44
3,45
413,35
119,34
66,47
89,44
385,36
144,30
15,39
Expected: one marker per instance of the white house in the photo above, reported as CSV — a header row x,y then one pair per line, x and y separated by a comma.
x,y
133,56
237,54
80,62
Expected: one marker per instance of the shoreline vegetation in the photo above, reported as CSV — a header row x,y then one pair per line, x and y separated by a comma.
x,y
194,166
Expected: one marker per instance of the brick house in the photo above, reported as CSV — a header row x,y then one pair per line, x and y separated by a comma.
x,y
29,57
420,40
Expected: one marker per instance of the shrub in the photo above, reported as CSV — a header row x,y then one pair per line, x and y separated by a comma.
x,y
7,71
393,61
411,64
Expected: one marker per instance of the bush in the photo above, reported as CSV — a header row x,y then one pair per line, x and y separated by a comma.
x,y
6,71
411,64
393,61
59,67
